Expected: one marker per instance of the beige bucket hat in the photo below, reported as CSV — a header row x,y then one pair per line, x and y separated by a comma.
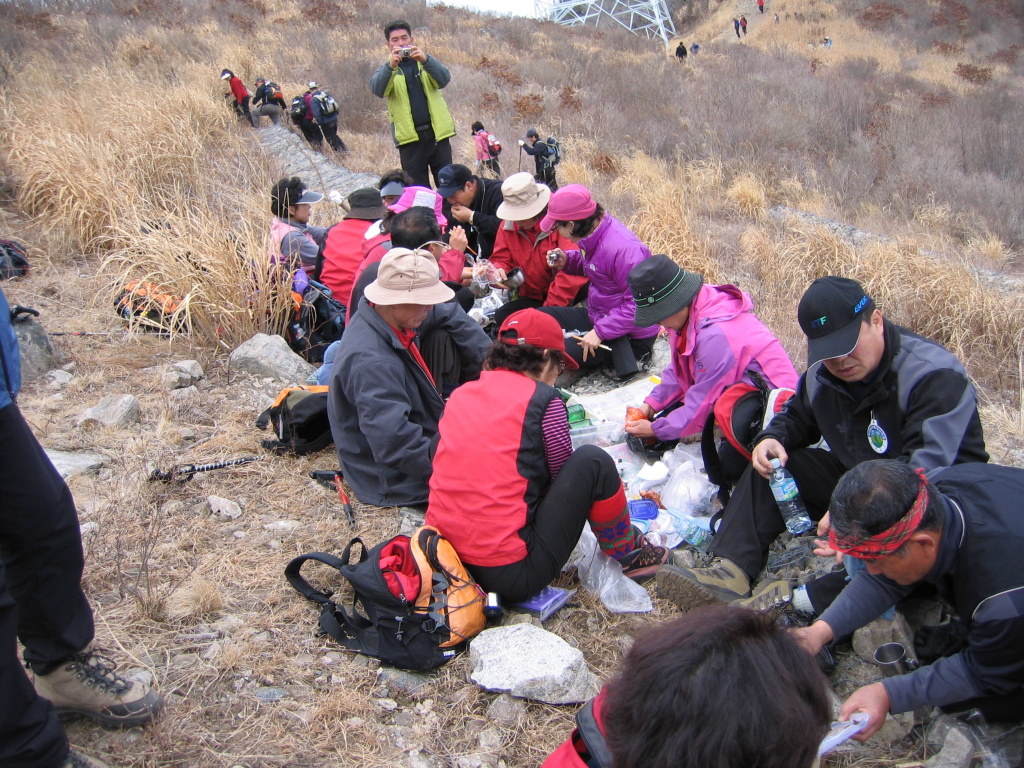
x,y
408,277
524,197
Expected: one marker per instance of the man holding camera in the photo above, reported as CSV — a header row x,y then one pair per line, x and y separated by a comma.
x,y
421,124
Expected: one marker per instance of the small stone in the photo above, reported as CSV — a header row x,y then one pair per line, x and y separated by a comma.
x,y
173,507
71,463
240,534
283,525
304,658
175,380
490,740
88,529
404,681
388,705
331,658
112,411
270,694
186,433
274,544
337,680
190,367
139,675
59,377
957,751
181,400
506,710
224,508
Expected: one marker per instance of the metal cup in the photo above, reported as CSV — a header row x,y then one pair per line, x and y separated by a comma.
x,y
514,278
892,659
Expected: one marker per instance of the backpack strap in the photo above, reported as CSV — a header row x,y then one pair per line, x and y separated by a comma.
x,y
590,732
292,571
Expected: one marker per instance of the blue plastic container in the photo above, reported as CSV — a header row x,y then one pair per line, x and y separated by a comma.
x,y
643,509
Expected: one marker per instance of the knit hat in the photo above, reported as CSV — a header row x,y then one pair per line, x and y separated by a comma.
x,y
408,277
829,314
531,327
661,288
569,203
524,198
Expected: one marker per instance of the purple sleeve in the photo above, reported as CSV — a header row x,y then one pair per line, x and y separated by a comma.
x,y
574,263
557,445
715,370
621,320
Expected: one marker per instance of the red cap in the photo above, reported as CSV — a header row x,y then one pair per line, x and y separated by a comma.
x,y
537,329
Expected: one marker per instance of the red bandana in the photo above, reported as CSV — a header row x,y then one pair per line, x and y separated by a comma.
x,y
888,541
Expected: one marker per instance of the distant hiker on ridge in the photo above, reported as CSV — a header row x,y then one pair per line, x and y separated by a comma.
x,y
736,25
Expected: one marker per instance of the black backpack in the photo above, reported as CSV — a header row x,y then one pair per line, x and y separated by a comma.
x,y
298,109
299,419
13,261
318,321
411,627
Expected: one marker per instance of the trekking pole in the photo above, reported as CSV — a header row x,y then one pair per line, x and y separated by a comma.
x,y
78,333
185,473
520,157
330,478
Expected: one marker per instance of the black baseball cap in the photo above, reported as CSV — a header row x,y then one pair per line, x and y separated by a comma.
x,y
830,315
452,178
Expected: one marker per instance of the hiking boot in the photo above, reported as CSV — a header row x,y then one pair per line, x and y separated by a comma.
x,y
78,760
720,581
643,562
86,684
686,556
769,595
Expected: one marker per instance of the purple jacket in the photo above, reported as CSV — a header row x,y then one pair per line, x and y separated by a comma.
x,y
606,258
723,340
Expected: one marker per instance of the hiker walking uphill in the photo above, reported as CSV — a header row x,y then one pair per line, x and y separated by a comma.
x,y
681,52
268,101
743,25
873,390
240,94
487,149
42,603
325,119
515,512
736,25
302,115
545,157
421,125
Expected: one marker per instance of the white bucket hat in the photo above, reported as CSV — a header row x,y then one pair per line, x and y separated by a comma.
x,y
408,277
524,197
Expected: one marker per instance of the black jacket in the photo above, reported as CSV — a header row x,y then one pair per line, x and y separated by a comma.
x,y
979,569
383,408
919,396
484,229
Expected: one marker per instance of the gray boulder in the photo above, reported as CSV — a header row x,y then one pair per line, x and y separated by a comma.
x,y
191,367
175,379
112,411
271,356
957,751
70,463
531,663
37,353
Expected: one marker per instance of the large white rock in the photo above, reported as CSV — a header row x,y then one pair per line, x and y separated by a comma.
x,y
271,356
112,411
531,663
191,367
69,463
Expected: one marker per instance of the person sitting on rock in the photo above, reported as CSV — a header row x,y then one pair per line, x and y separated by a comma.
x,y
721,686
515,512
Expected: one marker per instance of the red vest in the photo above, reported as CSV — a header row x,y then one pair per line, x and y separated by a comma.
x,y
489,469
343,250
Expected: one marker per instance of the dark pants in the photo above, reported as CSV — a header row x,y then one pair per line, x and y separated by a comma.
x,y
330,132
555,526
41,599
242,110
625,351
423,155
526,303
752,520
312,134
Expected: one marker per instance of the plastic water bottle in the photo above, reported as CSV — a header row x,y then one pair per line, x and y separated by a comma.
x,y
787,496
689,530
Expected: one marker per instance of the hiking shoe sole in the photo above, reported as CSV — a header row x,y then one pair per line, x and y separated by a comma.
x,y
142,711
675,585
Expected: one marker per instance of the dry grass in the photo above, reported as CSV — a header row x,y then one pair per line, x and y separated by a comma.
x,y
174,192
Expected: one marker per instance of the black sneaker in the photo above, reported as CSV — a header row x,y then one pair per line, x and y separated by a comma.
x,y
643,562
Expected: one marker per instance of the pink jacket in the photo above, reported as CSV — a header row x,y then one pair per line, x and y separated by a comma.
x,y
480,139
722,340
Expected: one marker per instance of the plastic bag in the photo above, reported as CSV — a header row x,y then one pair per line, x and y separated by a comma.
x,y
602,576
688,491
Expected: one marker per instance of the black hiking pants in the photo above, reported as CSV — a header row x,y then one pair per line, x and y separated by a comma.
x,y
554,527
625,351
751,520
41,599
425,157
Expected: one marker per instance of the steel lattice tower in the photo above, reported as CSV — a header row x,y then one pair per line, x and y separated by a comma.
x,y
642,17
